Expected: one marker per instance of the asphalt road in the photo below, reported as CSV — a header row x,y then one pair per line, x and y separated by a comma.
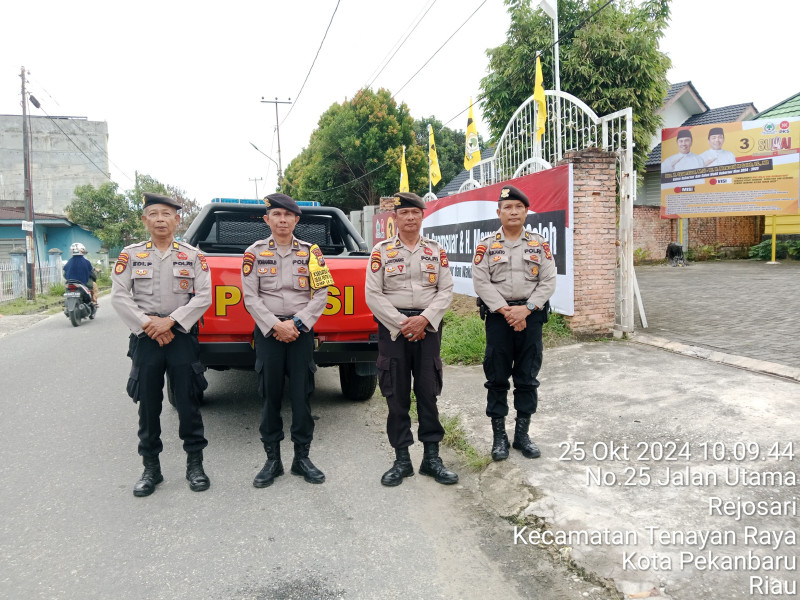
x,y
71,527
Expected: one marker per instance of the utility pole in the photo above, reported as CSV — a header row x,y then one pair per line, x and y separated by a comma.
x,y
278,129
28,224
256,180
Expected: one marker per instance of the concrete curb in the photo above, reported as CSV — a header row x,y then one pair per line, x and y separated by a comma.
x,y
741,362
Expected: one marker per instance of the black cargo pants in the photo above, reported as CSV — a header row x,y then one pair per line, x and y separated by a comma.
x,y
515,354
398,360
180,361
276,361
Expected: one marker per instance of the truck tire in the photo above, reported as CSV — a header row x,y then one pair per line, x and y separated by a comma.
x,y
357,386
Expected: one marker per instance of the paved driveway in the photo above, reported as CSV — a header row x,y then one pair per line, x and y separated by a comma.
x,y
740,307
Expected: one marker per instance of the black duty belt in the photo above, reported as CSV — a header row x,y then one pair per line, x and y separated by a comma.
x,y
155,314
284,317
517,302
410,312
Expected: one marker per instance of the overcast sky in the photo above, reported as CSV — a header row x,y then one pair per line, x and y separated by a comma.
x,y
180,86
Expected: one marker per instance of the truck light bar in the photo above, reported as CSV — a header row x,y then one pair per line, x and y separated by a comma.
x,y
249,201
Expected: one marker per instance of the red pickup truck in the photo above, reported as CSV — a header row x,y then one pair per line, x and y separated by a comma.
x,y
346,335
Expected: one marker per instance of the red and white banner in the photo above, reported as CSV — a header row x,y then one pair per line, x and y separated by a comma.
x,y
459,222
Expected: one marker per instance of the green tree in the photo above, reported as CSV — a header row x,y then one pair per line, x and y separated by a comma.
x,y
149,184
353,157
108,214
611,62
449,148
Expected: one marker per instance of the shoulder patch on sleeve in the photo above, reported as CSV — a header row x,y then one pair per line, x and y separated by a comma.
x,y
479,252
443,258
375,261
247,263
122,263
547,254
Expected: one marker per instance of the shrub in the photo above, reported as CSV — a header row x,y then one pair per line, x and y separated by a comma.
x,y
640,255
706,252
763,251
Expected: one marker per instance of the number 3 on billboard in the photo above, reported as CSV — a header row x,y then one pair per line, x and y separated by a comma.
x,y
336,300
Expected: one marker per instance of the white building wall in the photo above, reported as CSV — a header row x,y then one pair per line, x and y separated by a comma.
x,y
57,165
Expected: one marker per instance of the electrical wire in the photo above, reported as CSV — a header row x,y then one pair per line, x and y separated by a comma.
x,y
560,39
440,47
348,182
386,64
366,122
75,144
91,141
297,97
480,97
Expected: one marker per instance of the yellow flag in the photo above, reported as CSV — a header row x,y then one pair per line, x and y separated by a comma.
x,y
538,97
433,158
472,154
403,173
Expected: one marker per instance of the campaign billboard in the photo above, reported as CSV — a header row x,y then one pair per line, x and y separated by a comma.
x,y
460,221
731,169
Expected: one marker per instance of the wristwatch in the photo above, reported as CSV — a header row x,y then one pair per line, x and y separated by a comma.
x,y
298,323
531,306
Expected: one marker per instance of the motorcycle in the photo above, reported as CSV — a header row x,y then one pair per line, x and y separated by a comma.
x,y
78,303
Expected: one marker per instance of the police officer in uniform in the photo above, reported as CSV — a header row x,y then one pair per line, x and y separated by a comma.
x,y
408,289
514,276
285,286
160,289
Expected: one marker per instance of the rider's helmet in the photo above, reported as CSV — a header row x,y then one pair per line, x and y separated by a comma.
x,y
77,249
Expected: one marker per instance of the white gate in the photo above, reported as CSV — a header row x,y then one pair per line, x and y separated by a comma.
x,y
571,125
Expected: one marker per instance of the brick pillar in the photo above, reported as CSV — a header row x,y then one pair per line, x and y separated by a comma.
x,y
594,173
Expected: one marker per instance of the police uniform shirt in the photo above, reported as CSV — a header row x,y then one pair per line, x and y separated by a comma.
x,y
146,281
505,270
277,282
413,278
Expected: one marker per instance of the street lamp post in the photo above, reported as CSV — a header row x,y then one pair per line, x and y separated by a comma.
x,y
269,157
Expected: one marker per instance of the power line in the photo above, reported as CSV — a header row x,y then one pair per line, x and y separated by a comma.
x,y
74,143
386,64
348,182
297,97
560,39
440,47
91,141
366,122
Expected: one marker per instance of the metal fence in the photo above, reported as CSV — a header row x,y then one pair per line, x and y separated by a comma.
x,y
13,283
571,125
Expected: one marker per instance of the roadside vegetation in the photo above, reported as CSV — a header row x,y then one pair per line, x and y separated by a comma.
x,y
464,338
783,249
49,303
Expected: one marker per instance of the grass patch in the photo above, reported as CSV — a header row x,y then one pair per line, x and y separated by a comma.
x,y
23,306
555,331
456,438
464,337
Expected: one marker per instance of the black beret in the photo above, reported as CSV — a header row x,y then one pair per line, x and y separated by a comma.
x,y
150,199
684,133
509,192
282,201
716,131
408,200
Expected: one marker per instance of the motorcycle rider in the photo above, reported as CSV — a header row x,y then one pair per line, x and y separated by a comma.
x,y
80,269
